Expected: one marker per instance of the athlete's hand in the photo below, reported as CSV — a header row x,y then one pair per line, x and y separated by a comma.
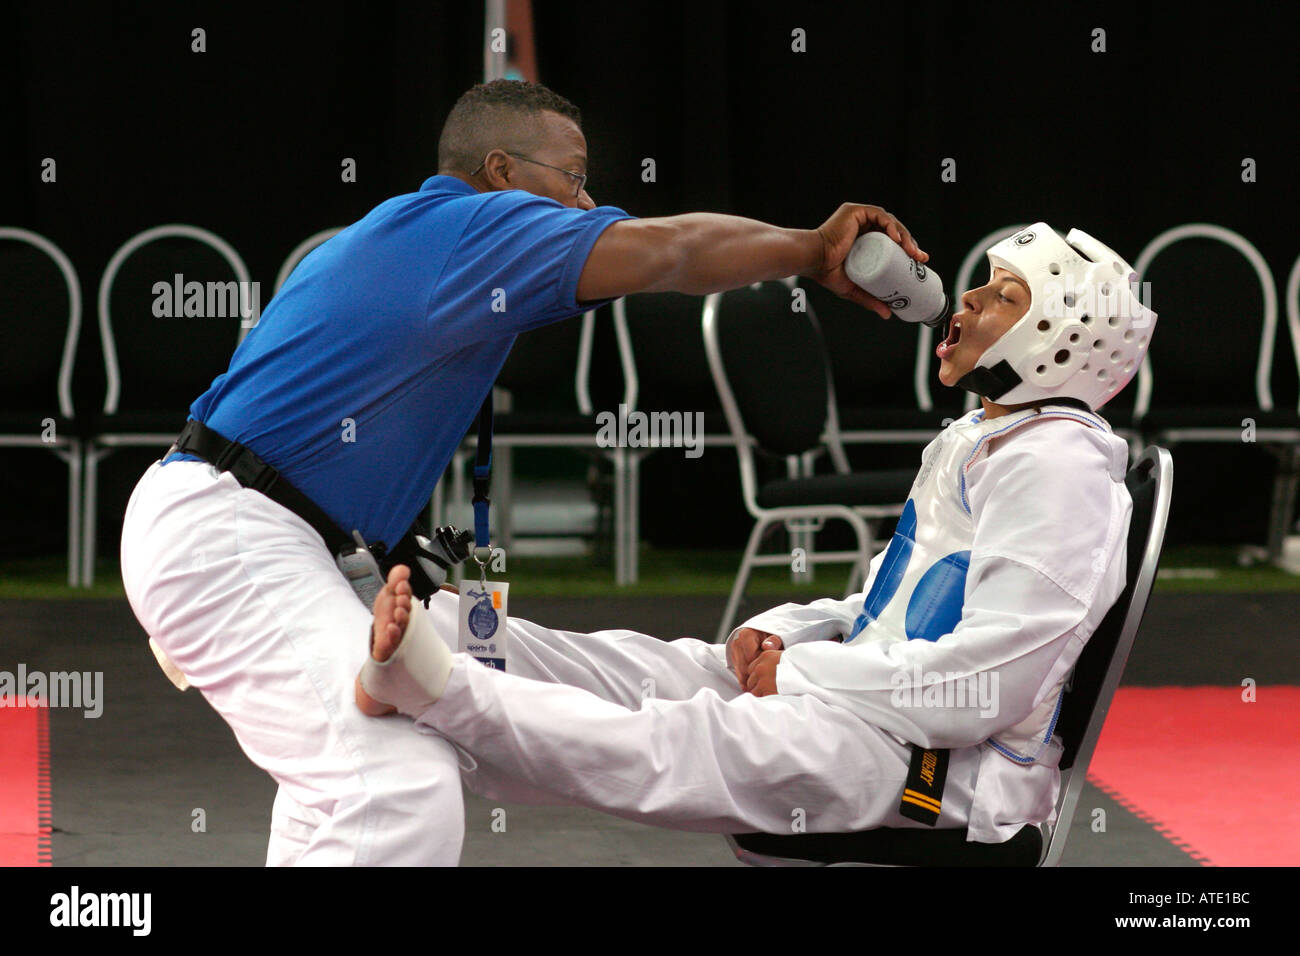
x,y
840,231
745,649
762,676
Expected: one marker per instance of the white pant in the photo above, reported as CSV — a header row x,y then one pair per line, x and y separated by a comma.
x,y
245,600
660,733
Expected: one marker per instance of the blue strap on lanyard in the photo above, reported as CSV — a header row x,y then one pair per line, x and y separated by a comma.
x,y
483,473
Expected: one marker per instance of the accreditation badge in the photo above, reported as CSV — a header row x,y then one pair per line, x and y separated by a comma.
x,y
482,621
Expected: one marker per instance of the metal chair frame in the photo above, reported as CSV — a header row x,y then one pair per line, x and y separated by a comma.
x,y
68,448
1284,443
102,445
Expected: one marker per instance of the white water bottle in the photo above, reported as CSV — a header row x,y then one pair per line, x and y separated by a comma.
x,y
912,291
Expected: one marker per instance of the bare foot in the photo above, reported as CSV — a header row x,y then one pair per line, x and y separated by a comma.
x,y
392,613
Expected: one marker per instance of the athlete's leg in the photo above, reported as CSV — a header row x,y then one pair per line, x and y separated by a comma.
x,y
706,763
621,666
243,598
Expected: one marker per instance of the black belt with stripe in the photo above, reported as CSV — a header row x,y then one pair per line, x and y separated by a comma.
x,y
923,792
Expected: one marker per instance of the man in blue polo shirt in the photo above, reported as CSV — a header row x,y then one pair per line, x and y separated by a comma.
x,y
357,385
378,350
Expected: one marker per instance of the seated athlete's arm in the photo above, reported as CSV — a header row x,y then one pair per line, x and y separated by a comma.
x,y
826,619
699,253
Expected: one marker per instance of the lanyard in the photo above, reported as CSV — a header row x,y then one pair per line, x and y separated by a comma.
x,y
483,479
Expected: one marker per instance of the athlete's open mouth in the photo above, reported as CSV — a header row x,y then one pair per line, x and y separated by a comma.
x,y
954,336
954,332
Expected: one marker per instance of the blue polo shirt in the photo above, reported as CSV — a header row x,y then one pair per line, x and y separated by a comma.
x,y
368,368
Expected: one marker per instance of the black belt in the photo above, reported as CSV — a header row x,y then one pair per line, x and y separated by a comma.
x,y
923,791
250,471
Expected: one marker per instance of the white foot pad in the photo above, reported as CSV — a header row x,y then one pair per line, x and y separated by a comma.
x,y
412,679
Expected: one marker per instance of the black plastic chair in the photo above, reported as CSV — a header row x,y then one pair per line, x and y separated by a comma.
x,y
1087,700
879,368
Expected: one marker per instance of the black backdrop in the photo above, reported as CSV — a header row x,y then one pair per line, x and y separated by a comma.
x,y
246,139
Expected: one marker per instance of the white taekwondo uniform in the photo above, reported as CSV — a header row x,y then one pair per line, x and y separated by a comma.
x,y
1009,554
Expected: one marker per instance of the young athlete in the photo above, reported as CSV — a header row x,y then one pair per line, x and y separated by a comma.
x,y
1009,552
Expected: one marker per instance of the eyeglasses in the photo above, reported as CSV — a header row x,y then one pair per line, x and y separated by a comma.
x,y
580,178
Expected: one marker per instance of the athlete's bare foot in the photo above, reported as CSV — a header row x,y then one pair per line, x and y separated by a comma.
x,y
392,613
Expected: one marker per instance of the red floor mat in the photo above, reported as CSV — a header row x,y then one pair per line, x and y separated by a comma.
x,y
24,785
1217,776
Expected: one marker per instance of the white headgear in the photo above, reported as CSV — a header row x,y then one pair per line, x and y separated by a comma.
x,y
1085,333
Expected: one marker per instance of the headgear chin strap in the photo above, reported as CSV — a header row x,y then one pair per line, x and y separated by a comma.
x,y
1085,332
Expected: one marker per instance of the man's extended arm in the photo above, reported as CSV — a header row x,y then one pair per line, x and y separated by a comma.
x,y
699,253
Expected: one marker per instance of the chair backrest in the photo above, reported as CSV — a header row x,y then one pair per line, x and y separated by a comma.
x,y
770,367
549,368
1200,365
40,323
662,356
873,362
1293,312
1097,673
157,361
